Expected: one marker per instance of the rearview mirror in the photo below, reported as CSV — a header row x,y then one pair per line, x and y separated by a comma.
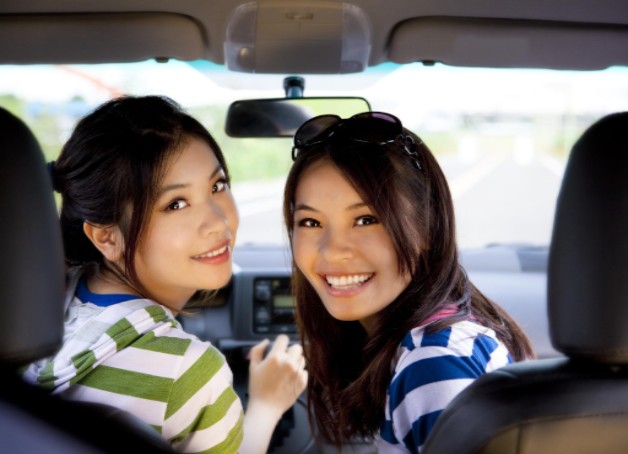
x,y
281,117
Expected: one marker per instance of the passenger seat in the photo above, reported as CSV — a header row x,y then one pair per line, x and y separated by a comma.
x,y
31,318
577,404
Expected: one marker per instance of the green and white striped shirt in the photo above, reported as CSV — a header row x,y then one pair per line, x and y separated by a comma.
x,y
135,356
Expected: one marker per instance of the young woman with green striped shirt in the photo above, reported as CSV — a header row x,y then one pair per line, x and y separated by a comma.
x,y
147,219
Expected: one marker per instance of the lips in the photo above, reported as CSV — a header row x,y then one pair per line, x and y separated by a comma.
x,y
215,256
347,281
213,253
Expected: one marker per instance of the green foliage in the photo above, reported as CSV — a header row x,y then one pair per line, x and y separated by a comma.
x,y
45,123
270,158
13,104
248,159
257,159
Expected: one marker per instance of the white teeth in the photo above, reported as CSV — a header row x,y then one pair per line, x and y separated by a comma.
x,y
212,253
347,281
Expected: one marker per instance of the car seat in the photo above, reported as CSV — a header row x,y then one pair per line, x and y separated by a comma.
x,y
31,317
577,403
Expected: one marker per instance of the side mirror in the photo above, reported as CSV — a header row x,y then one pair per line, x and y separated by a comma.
x,y
281,117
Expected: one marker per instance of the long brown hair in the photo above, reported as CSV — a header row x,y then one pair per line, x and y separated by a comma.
x,y
349,372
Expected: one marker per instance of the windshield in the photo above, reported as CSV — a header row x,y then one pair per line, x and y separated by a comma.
x,y
501,136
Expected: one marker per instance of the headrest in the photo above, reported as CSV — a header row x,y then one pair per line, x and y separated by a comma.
x,y
31,253
588,262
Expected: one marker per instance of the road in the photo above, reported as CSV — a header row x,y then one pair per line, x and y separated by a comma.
x,y
500,197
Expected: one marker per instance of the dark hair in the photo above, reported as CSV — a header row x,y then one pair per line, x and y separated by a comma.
x,y
110,168
349,372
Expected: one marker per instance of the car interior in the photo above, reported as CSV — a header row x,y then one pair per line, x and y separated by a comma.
x,y
255,70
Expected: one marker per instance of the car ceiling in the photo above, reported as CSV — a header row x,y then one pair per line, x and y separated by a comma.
x,y
556,34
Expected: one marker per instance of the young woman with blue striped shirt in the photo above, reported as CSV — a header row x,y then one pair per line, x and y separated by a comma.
x,y
392,327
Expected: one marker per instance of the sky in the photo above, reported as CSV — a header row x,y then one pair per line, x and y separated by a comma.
x,y
413,86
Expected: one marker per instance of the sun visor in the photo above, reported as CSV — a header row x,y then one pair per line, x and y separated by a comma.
x,y
98,38
303,38
509,43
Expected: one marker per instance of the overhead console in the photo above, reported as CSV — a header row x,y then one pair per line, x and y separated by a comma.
x,y
282,36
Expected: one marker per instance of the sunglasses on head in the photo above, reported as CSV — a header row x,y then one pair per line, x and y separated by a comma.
x,y
378,128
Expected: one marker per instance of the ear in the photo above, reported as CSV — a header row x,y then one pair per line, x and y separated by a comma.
x,y
108,240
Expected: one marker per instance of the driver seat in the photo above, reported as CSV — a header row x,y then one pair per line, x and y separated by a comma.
x,y
31,323
577,403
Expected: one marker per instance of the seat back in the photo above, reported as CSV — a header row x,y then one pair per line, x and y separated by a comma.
x,y
31,261
31,323
588,262
579,403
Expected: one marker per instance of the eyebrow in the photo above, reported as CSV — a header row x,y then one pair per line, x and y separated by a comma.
x,y
304,207
175,186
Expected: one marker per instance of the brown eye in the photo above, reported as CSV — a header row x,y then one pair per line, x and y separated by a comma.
x,y
177,204
309,222
366,220
220,186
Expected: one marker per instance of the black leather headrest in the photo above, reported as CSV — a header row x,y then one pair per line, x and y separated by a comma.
x,y
31,253
588,262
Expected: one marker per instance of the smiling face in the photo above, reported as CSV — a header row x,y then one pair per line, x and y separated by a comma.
x,y
192,228
341,247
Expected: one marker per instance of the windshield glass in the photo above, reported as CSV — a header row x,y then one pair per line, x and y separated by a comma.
x,y
501,136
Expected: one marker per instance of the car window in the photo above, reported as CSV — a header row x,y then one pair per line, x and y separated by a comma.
x,y
502,136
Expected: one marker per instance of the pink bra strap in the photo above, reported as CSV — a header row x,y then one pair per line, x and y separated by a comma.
x,y
445,312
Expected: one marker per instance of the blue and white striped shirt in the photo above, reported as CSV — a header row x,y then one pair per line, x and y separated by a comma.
x,y
429,371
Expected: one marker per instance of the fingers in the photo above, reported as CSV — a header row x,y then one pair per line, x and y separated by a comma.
x,y
281,352
256,354
301,377
301,384
295,352
280,344
292,365
278,378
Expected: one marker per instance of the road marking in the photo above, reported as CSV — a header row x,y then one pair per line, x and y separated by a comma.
x,y
459,186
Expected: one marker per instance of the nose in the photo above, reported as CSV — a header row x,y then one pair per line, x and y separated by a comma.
x,y
336,245
215,219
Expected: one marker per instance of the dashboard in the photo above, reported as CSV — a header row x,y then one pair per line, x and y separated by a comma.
x,y
257,304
